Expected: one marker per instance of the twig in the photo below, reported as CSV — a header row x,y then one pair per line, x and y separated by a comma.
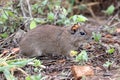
x,y
6,40
22,9
115,24
112,19
29,8
22,71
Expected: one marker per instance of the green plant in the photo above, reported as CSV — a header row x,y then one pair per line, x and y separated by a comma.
x,y
39,7
4,35
110,51
50,17
96,36
35,77
8,66
107,64
78,18
109,10
82,57
33,24
9,19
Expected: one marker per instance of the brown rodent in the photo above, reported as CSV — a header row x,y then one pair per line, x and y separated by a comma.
x,y
50,39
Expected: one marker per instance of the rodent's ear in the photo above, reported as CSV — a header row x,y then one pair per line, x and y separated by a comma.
x,y
74,28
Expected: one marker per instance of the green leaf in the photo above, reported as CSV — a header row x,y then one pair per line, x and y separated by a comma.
x,y
4,15
19,63
64,12
81,18
82,57
33,24
2,68
110,10
35,77
96,36
28,78
50,16
78,18
37,62
40,20
73,18
111,51
40,11
44,2
107,64
4,35
8,75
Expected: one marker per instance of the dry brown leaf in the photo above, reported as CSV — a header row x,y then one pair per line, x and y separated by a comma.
x,y
80,71
62,61
5,51
108,36
15,50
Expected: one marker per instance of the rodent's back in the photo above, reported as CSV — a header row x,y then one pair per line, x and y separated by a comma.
x,y
45,39
49,39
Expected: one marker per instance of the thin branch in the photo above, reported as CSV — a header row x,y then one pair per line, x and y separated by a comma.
x,y
29,8
22,9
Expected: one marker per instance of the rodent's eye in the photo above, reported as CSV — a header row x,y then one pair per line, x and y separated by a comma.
x,y
82,33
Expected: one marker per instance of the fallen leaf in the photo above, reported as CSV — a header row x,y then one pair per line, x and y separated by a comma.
x,y
73,53
118,30
62,61
15,50
80,71
108,36
5,51
98,68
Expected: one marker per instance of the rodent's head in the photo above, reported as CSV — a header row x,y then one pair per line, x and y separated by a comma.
x,y
79,35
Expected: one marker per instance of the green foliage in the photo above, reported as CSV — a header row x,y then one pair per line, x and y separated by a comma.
x,y
44,11
82,57
9,19
107,64
62,18
7,65
110,10
37,63
96,36
56,14
35,77
33,24
111,51
8,75
78,18
51,17
4,35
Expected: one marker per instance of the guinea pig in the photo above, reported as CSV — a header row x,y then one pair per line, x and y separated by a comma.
x,y
54,40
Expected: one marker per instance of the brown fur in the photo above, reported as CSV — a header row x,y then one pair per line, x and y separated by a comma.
x,y
49,39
